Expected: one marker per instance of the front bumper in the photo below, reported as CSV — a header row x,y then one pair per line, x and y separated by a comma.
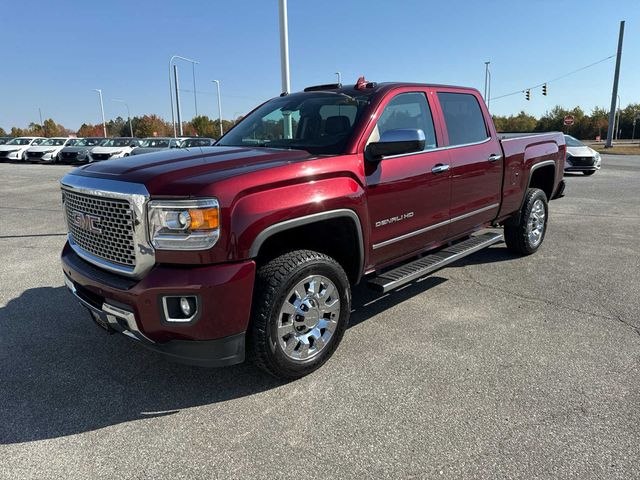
x,y
216,337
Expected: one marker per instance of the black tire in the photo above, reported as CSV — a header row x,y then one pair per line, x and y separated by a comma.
x,y
516,235
274,281
589,172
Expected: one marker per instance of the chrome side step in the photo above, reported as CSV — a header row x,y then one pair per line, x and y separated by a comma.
x,y
430,263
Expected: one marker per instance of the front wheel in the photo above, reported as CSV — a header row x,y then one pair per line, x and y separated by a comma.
x,y
301,309
527,235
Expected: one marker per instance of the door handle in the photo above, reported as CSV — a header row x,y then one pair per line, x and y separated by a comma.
x,y
439,168
494,158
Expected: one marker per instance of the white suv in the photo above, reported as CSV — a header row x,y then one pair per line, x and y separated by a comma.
x,y
113,148
16,148
47,151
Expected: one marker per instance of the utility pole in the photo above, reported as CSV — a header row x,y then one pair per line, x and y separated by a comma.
x,y
217,82
284,62
195,94
633,132
614,92
617,122
175,81
104,124
44,128
128,113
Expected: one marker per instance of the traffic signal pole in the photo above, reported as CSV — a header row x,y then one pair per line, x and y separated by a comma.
x,y
614,93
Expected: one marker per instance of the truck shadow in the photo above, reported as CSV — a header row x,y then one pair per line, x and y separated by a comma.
x,y
60,375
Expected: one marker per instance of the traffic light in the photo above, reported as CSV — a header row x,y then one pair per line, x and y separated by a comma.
x,y
544,89
527,94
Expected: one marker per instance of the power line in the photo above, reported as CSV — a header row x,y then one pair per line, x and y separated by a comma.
x,y
554,79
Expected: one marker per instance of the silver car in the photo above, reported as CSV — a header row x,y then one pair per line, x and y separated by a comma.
x,y
581,158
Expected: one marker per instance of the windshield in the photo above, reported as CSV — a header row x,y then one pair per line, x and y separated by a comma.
x,y
20,141
196,142
155,143
53,141
76,142
117,142
573,142
320,123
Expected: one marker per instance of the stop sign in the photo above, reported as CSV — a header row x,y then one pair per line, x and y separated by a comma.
x,y
569,120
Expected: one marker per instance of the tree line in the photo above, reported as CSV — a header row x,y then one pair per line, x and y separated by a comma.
x,y
143,126
585,127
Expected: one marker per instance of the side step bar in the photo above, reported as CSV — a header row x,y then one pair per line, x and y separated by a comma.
x,y
430,263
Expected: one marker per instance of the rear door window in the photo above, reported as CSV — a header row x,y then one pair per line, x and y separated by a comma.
x,y
463,118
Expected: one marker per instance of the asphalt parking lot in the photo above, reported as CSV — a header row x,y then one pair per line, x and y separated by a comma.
x,y
497,367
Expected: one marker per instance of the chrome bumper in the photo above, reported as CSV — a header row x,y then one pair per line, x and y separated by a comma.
x,y
110,316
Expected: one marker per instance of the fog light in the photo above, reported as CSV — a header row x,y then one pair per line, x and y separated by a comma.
x,y
185,306
180,309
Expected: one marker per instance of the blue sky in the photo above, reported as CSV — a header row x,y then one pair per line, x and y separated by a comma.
x,y
55,53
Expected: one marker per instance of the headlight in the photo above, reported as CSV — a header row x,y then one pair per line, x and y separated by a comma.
x,y
184,224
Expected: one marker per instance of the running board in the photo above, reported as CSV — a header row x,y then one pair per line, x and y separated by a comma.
x,y
430,263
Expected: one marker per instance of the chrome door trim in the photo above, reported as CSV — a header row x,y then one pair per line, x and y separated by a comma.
x,y
433,227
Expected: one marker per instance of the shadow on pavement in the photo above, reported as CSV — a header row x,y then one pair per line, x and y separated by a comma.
x,y
61,375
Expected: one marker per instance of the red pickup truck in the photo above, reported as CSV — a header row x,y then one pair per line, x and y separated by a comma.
x,y
250,247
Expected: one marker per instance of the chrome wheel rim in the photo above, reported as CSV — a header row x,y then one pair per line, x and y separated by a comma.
x,y
308,318
536,223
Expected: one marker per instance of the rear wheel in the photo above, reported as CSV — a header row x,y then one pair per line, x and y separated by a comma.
x,y
589,172
301,309
527,235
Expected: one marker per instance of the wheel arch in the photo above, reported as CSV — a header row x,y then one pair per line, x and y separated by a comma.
x,y
305,225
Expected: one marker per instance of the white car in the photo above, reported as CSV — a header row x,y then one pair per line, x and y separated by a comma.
x,y
581,158
16,149
47,151
113,148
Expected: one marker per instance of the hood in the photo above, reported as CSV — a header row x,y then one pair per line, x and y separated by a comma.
x,y
109,149
74,149
44,148
156,170
11,148
139,150
581,151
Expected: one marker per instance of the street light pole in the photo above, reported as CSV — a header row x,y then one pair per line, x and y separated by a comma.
x,y
104,124
486,79
614,92
195,94
339,78
284,62
175,79
128,113
217,82
173,118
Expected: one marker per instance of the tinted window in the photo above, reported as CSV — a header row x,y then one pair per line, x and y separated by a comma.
x,y
406,110
463,118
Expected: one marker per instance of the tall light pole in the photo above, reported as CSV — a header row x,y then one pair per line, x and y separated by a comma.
x,y
284,62
104,124
487,84
614,91
128,113
193,62
339,77
44,128
175,79
217,82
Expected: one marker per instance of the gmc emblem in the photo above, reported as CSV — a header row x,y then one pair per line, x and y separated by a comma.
x,y
85,221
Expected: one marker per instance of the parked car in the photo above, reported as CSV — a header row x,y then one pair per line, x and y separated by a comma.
x,y
197,142
580,157
113,148
78,149
47,151
16,148
4,140
153,144
250,248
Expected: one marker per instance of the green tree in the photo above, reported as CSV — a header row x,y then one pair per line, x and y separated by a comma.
x,y
2,132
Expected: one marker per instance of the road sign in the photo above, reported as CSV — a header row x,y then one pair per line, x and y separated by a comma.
x,y
569,120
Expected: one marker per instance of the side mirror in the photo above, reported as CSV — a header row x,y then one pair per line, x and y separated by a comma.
x,y
396,142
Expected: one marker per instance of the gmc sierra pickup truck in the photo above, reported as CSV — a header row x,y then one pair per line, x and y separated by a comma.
x,y
250,247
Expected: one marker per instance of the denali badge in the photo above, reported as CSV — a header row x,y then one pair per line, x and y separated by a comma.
x,y
85,221
399,218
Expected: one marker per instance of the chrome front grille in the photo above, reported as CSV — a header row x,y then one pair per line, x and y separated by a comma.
x,y
109,234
